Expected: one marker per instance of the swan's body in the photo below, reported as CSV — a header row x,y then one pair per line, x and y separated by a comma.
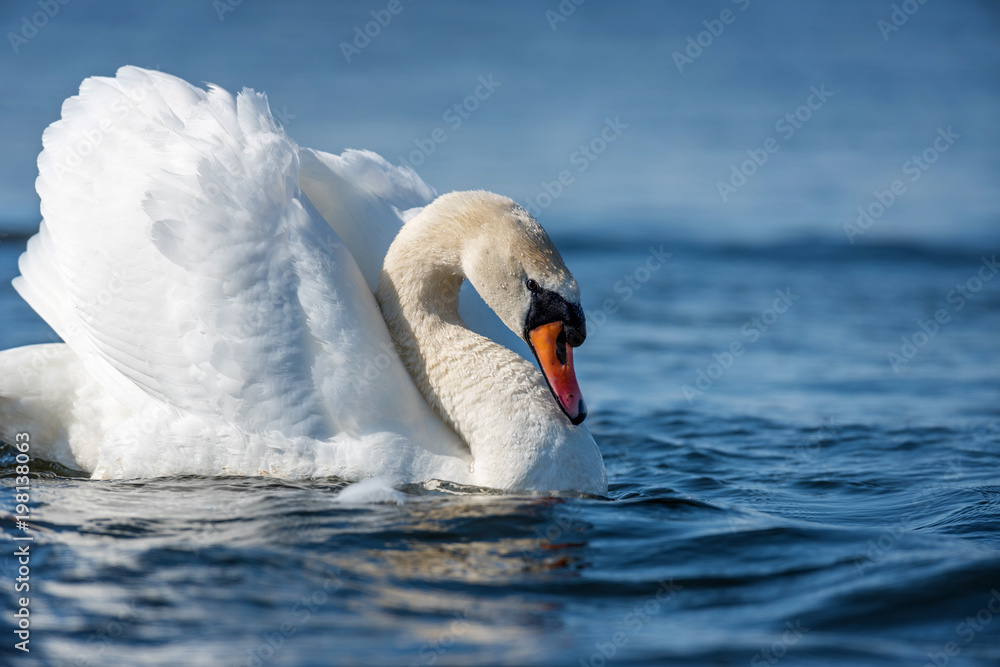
x,y
213,284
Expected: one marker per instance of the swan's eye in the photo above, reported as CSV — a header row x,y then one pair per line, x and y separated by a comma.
x,y
531,285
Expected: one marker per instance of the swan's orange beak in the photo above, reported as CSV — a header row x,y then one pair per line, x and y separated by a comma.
x,y
555,358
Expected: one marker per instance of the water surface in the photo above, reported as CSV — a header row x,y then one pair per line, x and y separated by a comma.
x,y
812,505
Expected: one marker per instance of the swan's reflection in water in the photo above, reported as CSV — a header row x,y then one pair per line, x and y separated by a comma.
x,y
477,540
469,570
243,558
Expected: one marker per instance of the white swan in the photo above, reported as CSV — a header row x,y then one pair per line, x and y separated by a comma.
x,y
213,284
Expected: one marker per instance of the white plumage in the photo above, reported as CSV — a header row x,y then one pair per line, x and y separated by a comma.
x,y
213,284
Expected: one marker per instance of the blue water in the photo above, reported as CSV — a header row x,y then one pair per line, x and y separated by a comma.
x,y
802,434
812,504
686,128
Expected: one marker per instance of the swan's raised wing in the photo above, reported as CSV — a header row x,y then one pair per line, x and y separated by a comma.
x,y
179,260
366,200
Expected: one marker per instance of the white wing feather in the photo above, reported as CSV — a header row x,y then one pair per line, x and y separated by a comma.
x,y
180,262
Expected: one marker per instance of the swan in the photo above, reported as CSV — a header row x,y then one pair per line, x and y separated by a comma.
x,y
231,303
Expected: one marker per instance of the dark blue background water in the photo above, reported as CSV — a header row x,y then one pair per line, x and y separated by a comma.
x,y
802,502
686,129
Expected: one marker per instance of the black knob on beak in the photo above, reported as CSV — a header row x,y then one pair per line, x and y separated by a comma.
x,y
548,306
575,326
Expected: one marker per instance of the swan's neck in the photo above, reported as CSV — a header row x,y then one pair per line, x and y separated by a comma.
x,y
418,292
494,399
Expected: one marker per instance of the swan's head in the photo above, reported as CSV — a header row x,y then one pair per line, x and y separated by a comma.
x,y
518,272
